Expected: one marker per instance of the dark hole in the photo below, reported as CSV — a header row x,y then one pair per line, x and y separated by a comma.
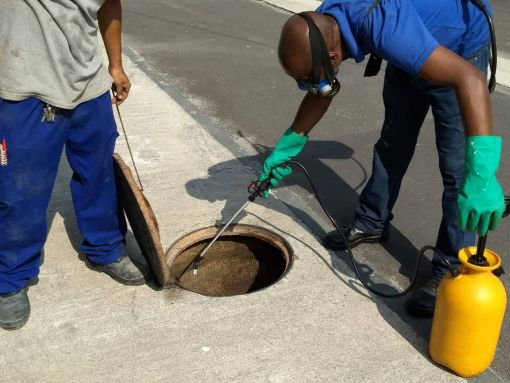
x,y
233,265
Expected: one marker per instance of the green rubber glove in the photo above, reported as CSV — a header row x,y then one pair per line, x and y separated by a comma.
x,y
481,202
289,146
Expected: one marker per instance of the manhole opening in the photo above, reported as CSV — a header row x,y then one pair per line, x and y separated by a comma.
x,y
233,265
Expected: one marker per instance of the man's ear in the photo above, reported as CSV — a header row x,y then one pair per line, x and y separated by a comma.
x,y
335,58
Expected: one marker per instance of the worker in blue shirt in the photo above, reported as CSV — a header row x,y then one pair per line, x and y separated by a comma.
x,y
437,53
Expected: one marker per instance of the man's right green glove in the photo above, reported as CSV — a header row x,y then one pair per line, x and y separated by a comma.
x,y
289,146
481,202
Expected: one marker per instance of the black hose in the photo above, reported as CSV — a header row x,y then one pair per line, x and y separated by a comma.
x,y
494,50
421,253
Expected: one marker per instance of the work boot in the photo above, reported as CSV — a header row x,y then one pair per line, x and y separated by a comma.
x,y
334,241
123,270
423,299
14,309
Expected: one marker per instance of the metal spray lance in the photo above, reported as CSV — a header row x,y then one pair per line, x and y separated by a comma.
x,y
255,189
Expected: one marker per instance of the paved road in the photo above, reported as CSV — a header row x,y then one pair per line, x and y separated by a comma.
x,y
222,56
501,20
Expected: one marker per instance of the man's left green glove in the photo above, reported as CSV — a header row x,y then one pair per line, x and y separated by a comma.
x,y
289,146
481,202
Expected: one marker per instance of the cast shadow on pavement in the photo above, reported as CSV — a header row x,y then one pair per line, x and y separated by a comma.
x,y
61,204
330,185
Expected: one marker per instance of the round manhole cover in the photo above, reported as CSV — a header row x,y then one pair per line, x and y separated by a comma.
x,y
243,259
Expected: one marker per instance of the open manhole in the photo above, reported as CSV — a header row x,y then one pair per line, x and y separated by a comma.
x,y
243,259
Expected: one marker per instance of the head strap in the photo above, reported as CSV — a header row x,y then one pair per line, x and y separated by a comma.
x,y
320,53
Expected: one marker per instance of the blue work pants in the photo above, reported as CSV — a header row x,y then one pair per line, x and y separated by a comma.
x,y
33,152
407,100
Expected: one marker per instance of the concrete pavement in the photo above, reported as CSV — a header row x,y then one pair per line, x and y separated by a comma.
x,y
315,325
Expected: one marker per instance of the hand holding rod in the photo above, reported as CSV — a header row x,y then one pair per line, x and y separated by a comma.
x,y
479,259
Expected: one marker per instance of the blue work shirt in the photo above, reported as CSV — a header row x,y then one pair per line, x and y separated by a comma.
x,y
406,32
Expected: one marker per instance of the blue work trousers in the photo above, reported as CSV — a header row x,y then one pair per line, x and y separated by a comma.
x,y
407,100
28,172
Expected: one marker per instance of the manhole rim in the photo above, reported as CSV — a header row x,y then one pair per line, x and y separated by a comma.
x,y
276,240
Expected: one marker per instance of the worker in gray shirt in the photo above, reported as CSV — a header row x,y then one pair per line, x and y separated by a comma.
x,y
54,93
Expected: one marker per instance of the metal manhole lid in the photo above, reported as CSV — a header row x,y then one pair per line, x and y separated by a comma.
x,y
141,218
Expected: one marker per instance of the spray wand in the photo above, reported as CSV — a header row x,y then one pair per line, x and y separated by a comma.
x,y
256,189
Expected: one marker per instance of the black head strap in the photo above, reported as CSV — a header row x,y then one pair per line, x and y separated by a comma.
x,y
320,53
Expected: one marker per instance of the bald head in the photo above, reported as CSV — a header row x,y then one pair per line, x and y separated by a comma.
x,y
294,49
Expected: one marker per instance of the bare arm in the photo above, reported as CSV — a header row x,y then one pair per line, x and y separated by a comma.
x,y
110,25
444,67
310,112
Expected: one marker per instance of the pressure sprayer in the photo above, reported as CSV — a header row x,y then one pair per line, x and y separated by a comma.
x,y
470,302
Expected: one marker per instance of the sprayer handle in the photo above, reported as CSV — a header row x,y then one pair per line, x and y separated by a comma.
x,y
256,188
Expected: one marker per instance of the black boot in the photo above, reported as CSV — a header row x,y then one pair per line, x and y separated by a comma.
x,y
334,241
125,271
14,309
423,299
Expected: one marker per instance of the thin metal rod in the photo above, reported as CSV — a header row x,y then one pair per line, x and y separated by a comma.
x,y
196,260
200,255
129,147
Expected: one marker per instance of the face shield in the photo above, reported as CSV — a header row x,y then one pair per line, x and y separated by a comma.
x,y
321,62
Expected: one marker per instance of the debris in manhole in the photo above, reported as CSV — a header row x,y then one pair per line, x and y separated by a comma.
x,y
234,265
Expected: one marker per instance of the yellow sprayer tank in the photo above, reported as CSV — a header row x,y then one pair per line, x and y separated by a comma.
x,y
468,316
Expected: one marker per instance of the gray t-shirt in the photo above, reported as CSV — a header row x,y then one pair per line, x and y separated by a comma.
x,y
50,49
